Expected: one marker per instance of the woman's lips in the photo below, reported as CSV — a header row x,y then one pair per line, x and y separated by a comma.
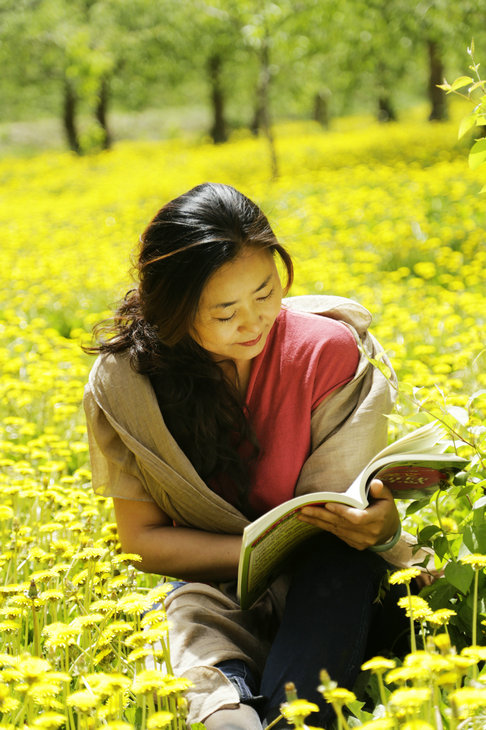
x,y
250,343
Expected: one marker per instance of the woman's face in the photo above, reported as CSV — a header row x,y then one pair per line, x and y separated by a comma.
x,y
238,306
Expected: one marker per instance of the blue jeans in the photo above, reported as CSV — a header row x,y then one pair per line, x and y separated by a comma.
x,y
331,620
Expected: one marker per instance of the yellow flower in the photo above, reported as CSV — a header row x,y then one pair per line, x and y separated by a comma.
x,y
475,560
133,603
6,513
84,700
148,680
159,719
339,696
416,607
49,720
297,709
441,617
442,642
59,634
404,576
126,558
468,698
381,723
409,697
475,652
157,594
378,664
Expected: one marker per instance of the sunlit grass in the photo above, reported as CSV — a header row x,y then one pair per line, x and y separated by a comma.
x,y
388,215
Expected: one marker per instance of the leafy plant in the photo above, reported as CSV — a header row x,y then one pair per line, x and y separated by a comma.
x,y
473,89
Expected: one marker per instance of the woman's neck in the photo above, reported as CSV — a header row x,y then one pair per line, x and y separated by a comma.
x,y
238,373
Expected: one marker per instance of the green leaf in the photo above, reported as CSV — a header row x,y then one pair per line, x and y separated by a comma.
x,y
441,546
460,576
466,124
458,414
461,82
428,532
477,155
414,507
474,536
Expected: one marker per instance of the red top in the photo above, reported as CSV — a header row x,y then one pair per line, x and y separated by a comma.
x,y
306,357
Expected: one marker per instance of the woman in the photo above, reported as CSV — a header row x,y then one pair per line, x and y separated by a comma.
x,y
212,403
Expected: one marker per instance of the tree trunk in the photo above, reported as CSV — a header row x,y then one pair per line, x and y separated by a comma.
x,y
69,118
386,112
262,107
218,128
438,103
100,113
321,108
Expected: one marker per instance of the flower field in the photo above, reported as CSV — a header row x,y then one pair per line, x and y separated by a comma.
x,y
390,216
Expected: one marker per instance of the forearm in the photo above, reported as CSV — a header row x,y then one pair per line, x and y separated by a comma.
x,y
185,553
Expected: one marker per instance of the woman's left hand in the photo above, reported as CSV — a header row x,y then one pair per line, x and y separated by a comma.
x,y
358,528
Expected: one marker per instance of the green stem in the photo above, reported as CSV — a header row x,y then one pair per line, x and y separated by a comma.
x,y
36,631
413,642
441,525
342,724
274,722
381,688
475,609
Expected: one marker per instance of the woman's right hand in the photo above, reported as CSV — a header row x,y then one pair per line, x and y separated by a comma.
x,y
184,552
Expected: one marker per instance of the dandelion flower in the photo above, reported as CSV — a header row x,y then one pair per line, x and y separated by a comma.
x,y
401,577
475,652
49,720
339,695
441,617
149,680
468,697
378,664
173,685
133,603
84,700
159,719
59,634
475,560
409,697
415,607
6,513
297,709
125,558
160,591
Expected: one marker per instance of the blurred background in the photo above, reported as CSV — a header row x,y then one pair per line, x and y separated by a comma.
x,y
83,73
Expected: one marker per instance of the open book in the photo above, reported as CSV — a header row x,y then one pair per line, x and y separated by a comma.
x,y
411,467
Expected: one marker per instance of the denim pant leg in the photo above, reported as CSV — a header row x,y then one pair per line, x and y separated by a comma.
x,y
326,621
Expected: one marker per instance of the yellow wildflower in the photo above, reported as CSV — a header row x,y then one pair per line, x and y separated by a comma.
x,y
415,606
475,560
159,719
409,697
297,709
404,576
378,664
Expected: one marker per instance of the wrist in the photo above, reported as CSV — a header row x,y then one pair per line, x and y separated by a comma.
x,y
390,543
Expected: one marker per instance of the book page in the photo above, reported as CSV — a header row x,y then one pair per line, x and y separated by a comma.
x,y
266,552
425,439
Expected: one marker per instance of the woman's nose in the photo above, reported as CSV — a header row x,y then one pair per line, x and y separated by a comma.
x,y
251,322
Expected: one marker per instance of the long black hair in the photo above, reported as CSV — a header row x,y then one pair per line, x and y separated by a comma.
x,y
188,240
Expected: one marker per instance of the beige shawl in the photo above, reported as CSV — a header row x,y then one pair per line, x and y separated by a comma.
x,y
134,456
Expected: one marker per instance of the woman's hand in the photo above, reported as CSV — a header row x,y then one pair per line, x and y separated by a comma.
x,y
358,528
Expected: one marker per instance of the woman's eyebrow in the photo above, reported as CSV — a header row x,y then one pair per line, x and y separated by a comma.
x,y
221,305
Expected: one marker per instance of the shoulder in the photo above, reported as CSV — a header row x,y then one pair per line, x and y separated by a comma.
x,y
304,333
111,375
